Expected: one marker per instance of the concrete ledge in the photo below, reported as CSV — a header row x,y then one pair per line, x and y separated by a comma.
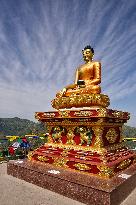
x,y
81,187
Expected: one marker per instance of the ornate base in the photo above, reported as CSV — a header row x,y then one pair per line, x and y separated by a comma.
x,y
93,162
90,190
84,100
89,141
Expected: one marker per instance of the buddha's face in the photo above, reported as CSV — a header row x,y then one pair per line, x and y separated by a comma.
x,y
87,55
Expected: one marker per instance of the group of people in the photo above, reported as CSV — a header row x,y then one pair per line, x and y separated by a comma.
x,y
19,148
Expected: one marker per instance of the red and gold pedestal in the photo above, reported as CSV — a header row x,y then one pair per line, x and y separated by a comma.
x,y
85,140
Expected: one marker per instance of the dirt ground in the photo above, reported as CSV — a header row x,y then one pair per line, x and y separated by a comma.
x,y
14,191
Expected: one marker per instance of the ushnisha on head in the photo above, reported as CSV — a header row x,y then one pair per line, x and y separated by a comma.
x,y
88,53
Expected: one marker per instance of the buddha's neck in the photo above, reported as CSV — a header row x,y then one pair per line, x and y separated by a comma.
x,y
90,61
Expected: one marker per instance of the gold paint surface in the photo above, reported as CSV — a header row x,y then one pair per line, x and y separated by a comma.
x,y
60,162
111,135
124,164
56,134
98,131
42,158
82,167
87,122
70,136
90,74
106,171
83,100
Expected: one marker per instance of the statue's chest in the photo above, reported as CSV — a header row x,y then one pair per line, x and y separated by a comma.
x,y
87,72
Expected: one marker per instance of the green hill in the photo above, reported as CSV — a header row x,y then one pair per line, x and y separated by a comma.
x,y
17,126
129,131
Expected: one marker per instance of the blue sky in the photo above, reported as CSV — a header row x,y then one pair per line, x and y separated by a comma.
x,y
40,48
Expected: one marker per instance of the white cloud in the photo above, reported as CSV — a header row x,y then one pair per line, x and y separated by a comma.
x,y
39,56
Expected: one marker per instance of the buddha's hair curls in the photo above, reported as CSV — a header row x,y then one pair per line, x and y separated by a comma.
x,y
89,47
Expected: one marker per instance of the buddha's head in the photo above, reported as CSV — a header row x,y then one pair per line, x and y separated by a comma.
x,y
88,53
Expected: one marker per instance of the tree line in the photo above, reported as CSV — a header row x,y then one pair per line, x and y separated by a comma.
x,y
21,127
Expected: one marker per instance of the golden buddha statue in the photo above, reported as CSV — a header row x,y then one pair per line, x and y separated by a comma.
x,y
87,79
86,91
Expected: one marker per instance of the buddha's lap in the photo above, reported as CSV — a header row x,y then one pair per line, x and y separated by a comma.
x,y
81,89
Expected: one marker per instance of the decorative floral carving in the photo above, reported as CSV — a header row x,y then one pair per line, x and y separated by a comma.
x,y
85,113
102,112
42,158
60,162
82,167
98,131
106,171
85,134
83,100
124,164
64,113
29,156
56,133
111,135
70,136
